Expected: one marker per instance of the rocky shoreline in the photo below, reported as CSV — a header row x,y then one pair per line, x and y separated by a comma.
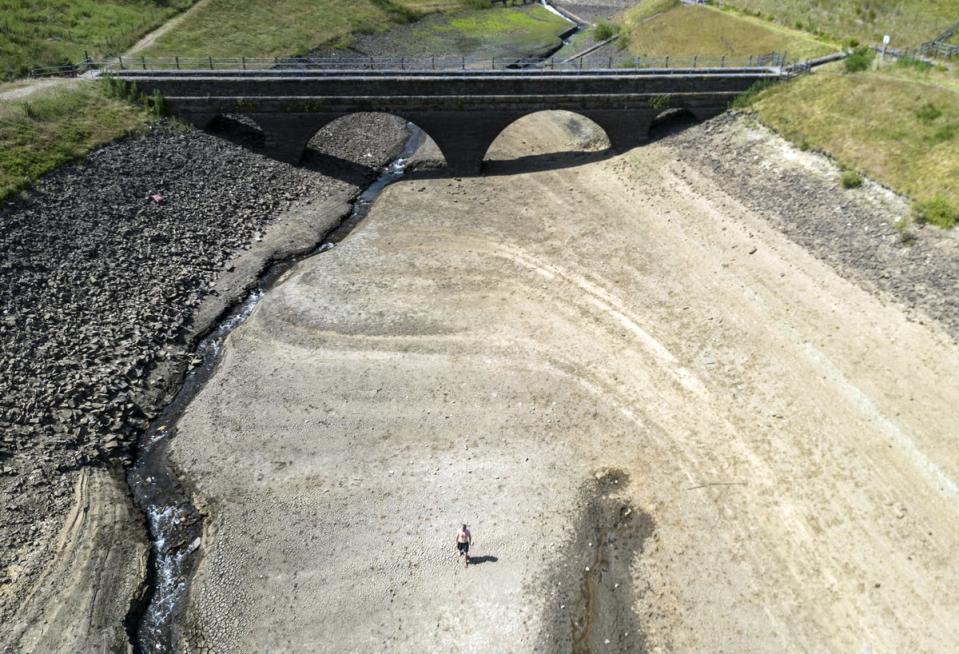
x,y
111,270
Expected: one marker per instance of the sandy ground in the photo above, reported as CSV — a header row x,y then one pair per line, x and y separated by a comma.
x,y
669,428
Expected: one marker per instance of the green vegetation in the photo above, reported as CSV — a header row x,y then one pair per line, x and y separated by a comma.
x,y
57,125
850,179
908,22
36,33
899,125
230,28
498,32
938,211
860,59
687,31
603,31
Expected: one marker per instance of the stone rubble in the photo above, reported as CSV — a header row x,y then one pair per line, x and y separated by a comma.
x,y
100,281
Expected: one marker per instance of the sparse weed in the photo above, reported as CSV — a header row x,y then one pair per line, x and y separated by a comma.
x,y
659,102
747,97
850,179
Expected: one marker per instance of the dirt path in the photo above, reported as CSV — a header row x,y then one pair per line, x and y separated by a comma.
x,y
24,88
151,38
669,427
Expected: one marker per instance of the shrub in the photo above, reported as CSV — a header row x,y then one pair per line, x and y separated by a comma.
x,y
850,179
603,31
937,211
859,59
906,237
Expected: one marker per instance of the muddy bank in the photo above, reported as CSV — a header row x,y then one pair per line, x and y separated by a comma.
x,y
110,269
589,588
853,230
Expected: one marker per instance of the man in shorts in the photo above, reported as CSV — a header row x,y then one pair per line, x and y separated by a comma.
x,y
463,540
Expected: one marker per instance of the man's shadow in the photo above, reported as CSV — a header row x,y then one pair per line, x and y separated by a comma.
x,y
477,560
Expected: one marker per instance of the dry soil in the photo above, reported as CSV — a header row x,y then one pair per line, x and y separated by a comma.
x,y
669,427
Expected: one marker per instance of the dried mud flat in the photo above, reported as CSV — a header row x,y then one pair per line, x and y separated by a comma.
x,y
614,364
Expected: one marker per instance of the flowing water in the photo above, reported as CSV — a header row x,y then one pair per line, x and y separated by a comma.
x,y
176,526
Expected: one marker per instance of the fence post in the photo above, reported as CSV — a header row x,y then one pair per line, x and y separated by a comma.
x,y
667,61
243,62
610,63
121,62
433,59
176,60
143,63
750,61
210,58
722,62
695,61
402,63
464,62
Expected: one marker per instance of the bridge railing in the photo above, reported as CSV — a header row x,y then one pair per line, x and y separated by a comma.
x,y
413,64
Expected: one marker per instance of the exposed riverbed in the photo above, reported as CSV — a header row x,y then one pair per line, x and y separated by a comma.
x,y
175,524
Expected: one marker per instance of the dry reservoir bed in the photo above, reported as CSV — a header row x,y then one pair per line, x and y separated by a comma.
x,y
668,426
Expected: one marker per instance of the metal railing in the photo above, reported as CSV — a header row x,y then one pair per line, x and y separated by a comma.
x,y
412,64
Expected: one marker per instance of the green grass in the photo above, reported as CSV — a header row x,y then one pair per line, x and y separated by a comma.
x,y
513,32
938,211
687,31
230,28
58,125
908,22
899,125
37,33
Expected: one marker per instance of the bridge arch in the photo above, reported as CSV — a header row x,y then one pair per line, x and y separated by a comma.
x,y
581,134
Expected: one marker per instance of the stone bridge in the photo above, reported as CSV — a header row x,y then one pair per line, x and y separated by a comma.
x,y
463,111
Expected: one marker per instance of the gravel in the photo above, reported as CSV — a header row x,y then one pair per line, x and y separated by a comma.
x,y
103,267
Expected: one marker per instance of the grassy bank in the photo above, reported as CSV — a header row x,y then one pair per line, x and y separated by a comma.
x,y
664,27
908,22
899,125
503,33
57,125
286,27
53,32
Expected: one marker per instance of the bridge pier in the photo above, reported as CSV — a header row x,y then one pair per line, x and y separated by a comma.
x,y
625,129
288,134
464,136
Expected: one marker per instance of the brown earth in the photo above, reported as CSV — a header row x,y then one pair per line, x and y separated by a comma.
x,y
670,428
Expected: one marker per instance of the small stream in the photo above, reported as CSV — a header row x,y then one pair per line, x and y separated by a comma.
x,y
175,525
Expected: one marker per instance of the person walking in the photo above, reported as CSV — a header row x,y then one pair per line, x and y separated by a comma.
x,y
463,540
